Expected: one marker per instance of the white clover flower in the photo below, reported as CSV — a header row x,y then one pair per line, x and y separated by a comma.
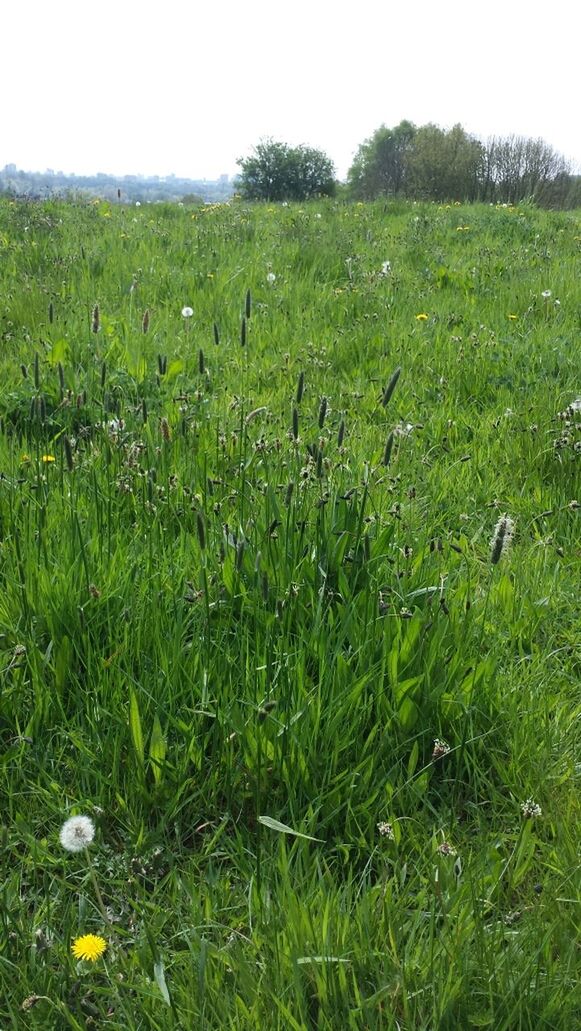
x,y
271,278
530,809
187,312
77,833
386,830
446,849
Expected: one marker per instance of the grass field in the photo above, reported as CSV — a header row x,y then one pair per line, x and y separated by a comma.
x,y
256,626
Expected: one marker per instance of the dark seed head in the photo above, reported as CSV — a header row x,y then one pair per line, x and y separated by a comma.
x,y
300,387
201,527
391,386
388,449
322,412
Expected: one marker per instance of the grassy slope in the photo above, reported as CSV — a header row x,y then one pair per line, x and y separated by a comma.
x,y
137,664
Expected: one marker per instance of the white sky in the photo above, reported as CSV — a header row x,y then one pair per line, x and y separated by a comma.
x,y
135,87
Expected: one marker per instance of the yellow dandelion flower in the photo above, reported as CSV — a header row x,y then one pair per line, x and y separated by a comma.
x,y
89,946
512,317
25,458
422,317
48,458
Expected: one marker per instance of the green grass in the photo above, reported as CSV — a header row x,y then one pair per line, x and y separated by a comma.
x,y
223,601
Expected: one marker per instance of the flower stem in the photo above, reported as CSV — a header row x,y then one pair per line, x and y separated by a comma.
x,y
98,895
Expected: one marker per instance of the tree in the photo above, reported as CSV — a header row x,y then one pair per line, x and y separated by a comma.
x,y
275,172
520,167
380,165
445,165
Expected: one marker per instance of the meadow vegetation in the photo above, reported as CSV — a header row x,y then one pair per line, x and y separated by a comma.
x,y
290,554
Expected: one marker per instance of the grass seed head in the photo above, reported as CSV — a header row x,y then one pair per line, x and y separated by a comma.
x,y
300,388
391,386
322,412
501,539
95,319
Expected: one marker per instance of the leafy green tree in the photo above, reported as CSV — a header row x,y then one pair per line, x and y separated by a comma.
x,y
445,165
380,165
275,172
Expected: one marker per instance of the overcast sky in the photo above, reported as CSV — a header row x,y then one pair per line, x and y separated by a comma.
x,y
125,87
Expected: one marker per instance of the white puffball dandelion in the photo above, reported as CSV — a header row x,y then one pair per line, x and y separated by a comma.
x,y
546,294
77,833
187,312
271,278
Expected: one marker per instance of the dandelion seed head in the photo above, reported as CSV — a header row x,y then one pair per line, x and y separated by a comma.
x,y
187,312
271,278
77,833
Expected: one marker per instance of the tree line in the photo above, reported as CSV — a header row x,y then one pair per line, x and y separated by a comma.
x,y
417,162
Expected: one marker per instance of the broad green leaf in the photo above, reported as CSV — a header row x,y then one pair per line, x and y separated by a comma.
x,y
159,974
157,749
135,728
282,828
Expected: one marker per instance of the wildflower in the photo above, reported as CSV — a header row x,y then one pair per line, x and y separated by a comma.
x,y
512,317
137,203
530,809
386,830
446,849
385,268
25,459
546,294
422,317
271,278
187,312
48,458
501,538
440,748
77,833
89,946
